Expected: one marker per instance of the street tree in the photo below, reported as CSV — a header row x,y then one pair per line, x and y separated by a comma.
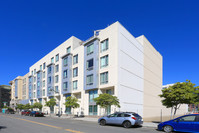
x,y
27,106
72,102
20,106
31,107
38,106
106,100
178,94
51,103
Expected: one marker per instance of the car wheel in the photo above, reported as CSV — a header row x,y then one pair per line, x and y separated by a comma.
x,y
127,124
103,122
34,115
168,129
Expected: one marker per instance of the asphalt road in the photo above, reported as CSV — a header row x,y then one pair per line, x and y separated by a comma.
x,y
12,123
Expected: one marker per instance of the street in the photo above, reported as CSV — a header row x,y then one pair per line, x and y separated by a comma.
x,y
13,123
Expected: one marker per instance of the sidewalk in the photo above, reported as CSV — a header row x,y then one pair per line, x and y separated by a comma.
x,y
90,119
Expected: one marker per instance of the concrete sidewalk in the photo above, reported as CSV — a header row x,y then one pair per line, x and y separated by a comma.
x,y
91,119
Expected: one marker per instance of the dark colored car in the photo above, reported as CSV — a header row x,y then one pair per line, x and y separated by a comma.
x,y
10,111
36,113
126,119
186,123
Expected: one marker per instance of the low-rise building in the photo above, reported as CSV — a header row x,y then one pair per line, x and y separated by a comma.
x,y
4,95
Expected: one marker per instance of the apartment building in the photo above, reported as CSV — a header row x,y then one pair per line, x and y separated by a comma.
x,y
19,90
112,61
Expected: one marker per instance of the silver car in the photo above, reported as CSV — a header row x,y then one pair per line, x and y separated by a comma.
x,y
126,119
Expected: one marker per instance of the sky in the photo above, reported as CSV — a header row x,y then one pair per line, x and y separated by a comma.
x,y
31,29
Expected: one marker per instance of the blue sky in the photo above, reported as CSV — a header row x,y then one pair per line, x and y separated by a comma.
x,y
31,29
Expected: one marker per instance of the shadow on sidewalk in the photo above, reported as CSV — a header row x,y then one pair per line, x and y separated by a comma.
x,y
2,127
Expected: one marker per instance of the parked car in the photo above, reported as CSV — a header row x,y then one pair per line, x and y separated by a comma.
x,y
186,123
27,113
126,119
10,111
23,112
36,113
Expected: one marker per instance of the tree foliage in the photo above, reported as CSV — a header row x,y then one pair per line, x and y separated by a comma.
x,y
106,100
27,106
38,105
179,93
20,106
71,102
51,103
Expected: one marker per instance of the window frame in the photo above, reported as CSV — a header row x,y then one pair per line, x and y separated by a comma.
x,y
106,45
106,78
88,51
57,58
87,64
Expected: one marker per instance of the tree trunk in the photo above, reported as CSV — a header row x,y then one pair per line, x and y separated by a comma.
x,y
175,110
171,113
106,111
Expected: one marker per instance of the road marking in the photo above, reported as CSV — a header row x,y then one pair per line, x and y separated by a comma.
x,y
69,130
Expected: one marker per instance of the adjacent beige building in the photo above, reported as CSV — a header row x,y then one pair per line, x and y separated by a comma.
x,y
19,90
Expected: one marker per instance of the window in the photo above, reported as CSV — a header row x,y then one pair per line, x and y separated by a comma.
x,y
66,61
92,94
34,79
104,61
44,65
40,67
89,64
38,92
65,86
57,68
43,92
52,60
75,85
89,79
44,74
34,87
44,83
34,94
75,72
104,78
109,91
49,89
104,45
56,79
57,58
38,84
56,89
187,118
49,69
34,71
65,74
49,80
90,49
75,59
68,50
30,79
38,75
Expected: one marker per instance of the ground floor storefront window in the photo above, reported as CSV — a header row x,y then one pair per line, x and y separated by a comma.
x,y
92,109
